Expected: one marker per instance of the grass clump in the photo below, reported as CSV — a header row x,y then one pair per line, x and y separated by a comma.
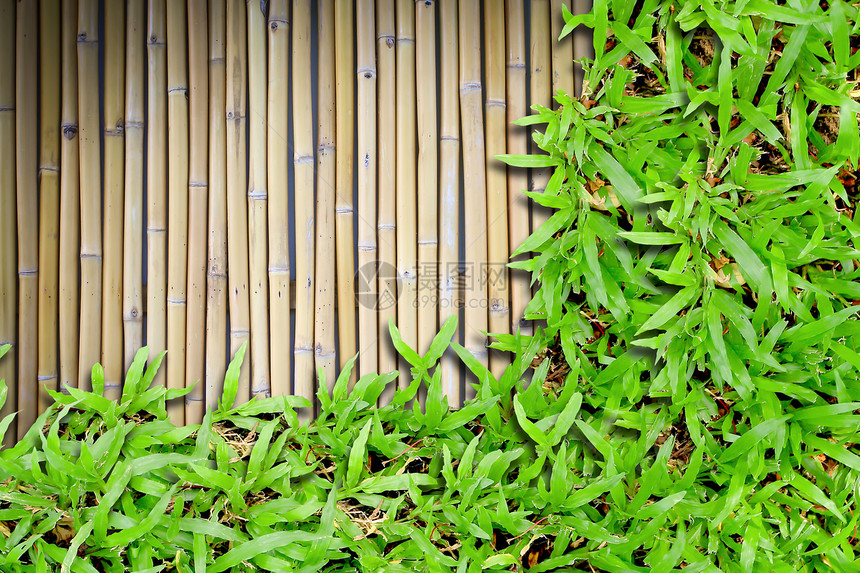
x,y
694,400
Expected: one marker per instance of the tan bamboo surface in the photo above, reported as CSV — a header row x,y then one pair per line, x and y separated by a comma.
x,y
198,201
8,214
368,326
258,200
262,122
69,264
49,195
475,184
428,165
278,187
177,194
303,169
237,191
582,44
540,90
386,226
27,175
562,52
156,183
407,249
90,182
325,352
497,191
216,269
449,188
517,180
135,103
113,204
344,55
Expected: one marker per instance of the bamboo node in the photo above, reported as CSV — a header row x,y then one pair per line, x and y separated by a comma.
x,y
28,272
367,72
388,38
428,242
49,168
153,39
405,40
7,108
198,184
343,211
70,131
320,353
449,138
516,66
366,247
470,87
297,159
258,195
386,227
496,103
120,126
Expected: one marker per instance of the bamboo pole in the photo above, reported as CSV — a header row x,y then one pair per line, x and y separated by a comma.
x,y
407,255
216,273
114,177
386,213
497,193
582,44
518,206
132,281
541,86
303,169
324,324
69,277
177,193
258,200
49,194
474,180
428,164
344,211
91,204
449,190
8,214
156,183
237,190
367,250
198,199
562,52
27,174
279,228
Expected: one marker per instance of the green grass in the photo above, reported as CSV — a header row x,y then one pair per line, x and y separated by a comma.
x,y
694,401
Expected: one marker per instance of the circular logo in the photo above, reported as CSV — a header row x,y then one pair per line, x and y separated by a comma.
x,y
376,285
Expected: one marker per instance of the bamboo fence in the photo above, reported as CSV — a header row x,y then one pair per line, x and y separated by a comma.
x,y
302,175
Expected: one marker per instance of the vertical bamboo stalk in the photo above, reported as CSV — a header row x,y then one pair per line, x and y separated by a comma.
x,y
216,273
258,200
367,249
177,193
324,324
582,44
562,52
70,247
449,190
428,164
303,169
279,229
407,255
518,206
91,204
541,87
497,193
8,214
237,190
114,177
156,183
344,211
386,213
198,199
27,173
49,193
132,289
475,183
